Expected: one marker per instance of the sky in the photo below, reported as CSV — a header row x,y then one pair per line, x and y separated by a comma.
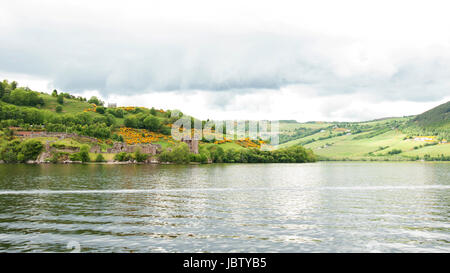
x,y
304,60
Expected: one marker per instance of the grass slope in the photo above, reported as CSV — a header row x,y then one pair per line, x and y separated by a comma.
x,y
383,139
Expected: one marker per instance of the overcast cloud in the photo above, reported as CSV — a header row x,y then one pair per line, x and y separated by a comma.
x,y
327,60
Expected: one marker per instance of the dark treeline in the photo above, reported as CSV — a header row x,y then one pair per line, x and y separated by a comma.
x,y
81,123
216,154
11,93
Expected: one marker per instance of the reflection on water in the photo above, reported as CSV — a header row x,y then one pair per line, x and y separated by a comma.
x,y
320,207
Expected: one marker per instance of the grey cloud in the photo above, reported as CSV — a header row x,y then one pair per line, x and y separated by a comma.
x,y
83,57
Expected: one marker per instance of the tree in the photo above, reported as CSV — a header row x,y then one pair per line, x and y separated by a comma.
x,y
84,153
18,151
2,90
30,149
95,101
122,156
60,98
13,85
153,111
165,130
55,93
217,154
131,121
117,112
75,157
139,157
99,158
58,109
152,123
110,120
180,153
100,109
21,96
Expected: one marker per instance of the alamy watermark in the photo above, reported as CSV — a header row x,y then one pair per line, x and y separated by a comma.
x,y
264,133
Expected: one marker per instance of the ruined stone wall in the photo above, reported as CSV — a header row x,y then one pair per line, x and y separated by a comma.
x,y
145,149
95,149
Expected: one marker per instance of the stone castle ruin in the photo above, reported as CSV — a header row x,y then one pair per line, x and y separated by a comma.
x,y
192,144
118,147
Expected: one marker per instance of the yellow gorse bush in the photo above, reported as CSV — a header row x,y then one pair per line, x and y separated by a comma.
x,y
140,136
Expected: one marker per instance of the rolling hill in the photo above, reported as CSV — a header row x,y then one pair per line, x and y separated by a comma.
x,y
435,121
421,137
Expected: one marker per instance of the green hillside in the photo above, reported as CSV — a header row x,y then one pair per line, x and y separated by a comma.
x,y
421,137
436,117
89,127
432,122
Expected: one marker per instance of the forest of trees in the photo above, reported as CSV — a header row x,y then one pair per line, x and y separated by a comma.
x,y
81,123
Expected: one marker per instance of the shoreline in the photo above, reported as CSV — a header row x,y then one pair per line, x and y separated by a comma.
x,y
198,163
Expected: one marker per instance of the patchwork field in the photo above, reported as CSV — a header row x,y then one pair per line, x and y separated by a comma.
x,y
373,140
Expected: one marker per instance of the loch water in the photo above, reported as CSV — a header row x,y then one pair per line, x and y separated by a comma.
x,y
314,207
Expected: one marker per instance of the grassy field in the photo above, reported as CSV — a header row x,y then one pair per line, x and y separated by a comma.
x,y
70,106
305,139
434,150
373,140
313,125
106,156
